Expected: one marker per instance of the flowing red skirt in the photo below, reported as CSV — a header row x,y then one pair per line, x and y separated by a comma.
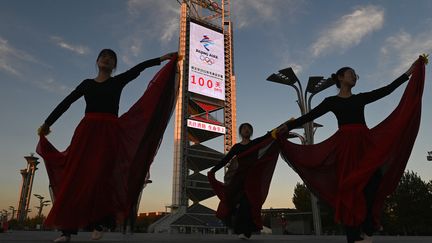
x,y
338,169
254,173
104,169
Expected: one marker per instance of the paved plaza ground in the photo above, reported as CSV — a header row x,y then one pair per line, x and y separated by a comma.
x,y
35,236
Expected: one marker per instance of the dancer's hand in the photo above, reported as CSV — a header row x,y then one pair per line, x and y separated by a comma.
x,y
43,130
167,56
425,58
411,69
282,128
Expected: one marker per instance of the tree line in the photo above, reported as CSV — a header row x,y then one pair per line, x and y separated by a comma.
x,y
408,211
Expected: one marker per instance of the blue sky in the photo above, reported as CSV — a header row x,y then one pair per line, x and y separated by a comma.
x,y
48,47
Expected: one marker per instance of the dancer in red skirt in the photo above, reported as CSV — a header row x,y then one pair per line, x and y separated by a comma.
x,y
357,168
237,205
99,176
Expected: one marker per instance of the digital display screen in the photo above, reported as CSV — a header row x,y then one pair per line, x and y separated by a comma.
x,y
206,62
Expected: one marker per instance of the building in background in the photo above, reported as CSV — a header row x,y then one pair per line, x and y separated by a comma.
x,y
205,116
26,187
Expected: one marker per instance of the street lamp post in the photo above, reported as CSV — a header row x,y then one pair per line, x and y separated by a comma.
x,y
315,85
3,220
42,204
4,216
12,208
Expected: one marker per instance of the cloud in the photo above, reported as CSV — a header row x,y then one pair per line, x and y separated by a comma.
x,y
52,86
11,58
78,49
161,24
400,50
16,62
5,66
248,13
162,21
287,59
349,30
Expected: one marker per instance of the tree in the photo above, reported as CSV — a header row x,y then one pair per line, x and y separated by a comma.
x,y
33,223
408,210
302,202
430,186
301,198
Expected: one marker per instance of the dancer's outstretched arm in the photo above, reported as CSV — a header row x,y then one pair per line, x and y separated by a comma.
x,y
133,73
233,151
61,108
377,94
316,112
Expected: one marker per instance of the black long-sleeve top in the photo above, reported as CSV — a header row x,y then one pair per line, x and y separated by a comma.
x,y
103,97
237,149
347,110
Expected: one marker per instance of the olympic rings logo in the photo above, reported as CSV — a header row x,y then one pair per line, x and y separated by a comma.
x,y
207,59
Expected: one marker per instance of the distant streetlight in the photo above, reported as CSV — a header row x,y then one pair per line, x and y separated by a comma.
x,y
42,204
12,208
315,85
4,215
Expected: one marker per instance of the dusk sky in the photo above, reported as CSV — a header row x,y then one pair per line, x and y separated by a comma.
x,y
47,47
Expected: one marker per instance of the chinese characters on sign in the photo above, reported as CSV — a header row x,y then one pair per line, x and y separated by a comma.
x,y
205,126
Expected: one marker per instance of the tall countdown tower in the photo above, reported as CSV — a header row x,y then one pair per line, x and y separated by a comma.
x,y
205,117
